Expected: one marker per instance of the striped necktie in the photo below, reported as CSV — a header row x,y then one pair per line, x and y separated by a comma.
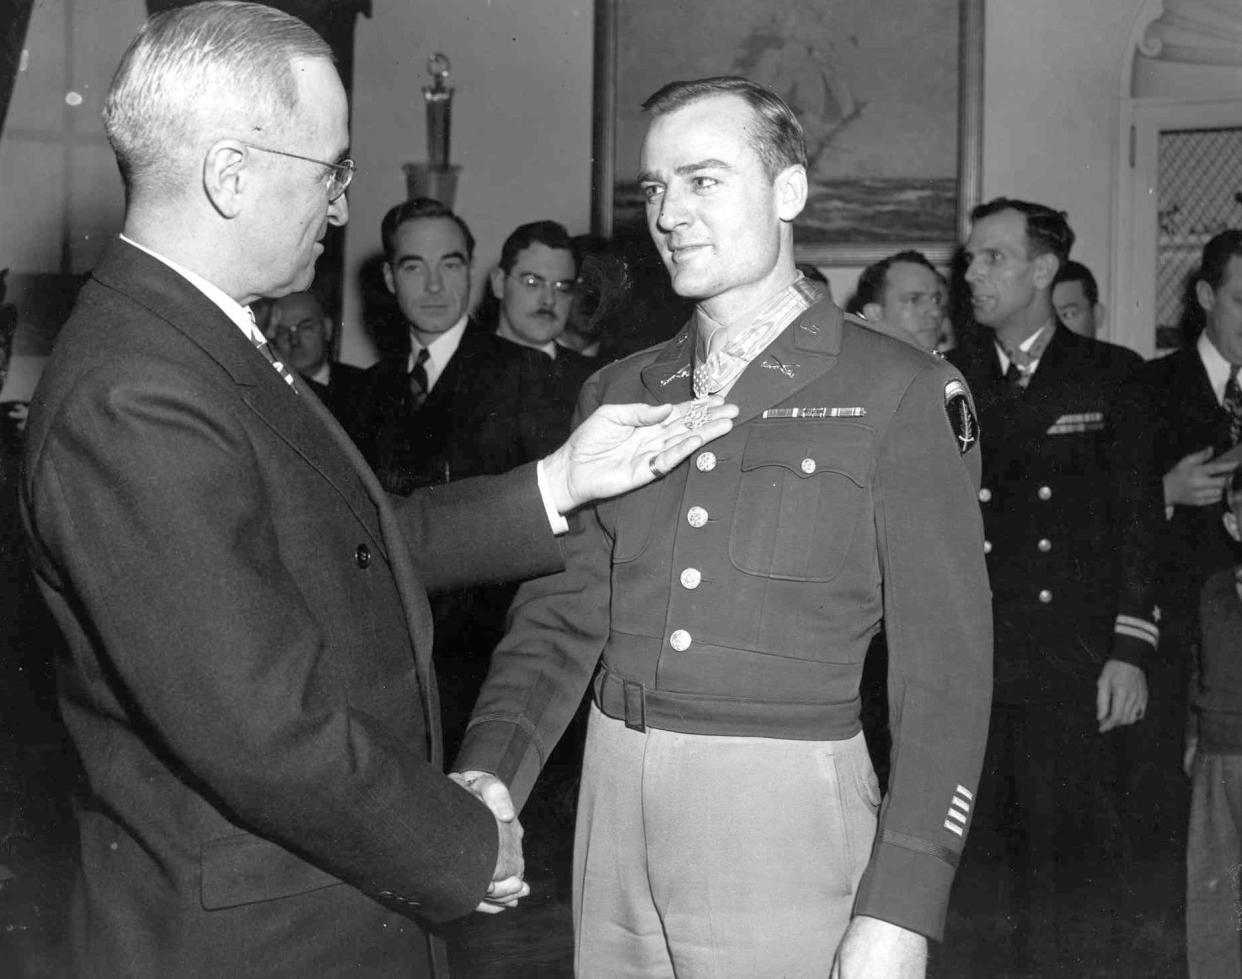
x,y
265,348
1232,404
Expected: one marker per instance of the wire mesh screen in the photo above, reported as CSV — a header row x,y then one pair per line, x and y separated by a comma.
x,y
1200,186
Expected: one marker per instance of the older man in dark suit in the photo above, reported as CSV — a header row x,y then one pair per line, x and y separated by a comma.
x,y
248,678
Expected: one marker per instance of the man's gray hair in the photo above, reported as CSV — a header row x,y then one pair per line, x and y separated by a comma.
x,y
777,136
201,73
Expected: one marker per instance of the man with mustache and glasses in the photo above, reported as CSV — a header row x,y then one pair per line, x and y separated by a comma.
x,y
729,821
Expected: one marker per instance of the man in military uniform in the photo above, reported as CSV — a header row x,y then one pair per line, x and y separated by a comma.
x,y
1071,510
727,823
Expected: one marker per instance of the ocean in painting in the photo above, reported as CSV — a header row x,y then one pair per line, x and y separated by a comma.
x,y
855,211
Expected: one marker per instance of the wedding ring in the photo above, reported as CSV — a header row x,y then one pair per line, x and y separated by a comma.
x,y
655,470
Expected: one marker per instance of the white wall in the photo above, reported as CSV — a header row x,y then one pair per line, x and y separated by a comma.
x,y
1052,89
521,121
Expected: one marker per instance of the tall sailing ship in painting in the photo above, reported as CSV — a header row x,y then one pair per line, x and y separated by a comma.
x,y
855,100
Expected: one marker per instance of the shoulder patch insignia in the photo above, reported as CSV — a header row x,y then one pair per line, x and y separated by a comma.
x,y
961,416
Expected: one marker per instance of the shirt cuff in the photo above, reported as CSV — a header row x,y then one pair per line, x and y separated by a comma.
x,y
558,523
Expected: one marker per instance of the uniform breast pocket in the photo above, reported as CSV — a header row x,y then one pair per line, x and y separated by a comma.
x,y
801,499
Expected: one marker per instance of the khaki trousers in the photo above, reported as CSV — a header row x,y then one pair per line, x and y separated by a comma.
x,y
702,857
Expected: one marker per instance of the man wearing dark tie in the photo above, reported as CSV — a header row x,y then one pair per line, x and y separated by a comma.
x,y
1071,513
247,677
444,406
1196,418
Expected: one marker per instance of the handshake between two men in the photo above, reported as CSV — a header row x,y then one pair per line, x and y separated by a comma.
x,y
616,449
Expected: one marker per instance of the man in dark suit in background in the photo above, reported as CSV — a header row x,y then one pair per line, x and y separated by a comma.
x,y
445,406
534,287
1196,417
1071,513
302,335
247,678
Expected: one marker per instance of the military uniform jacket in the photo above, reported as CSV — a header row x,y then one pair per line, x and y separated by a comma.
x,y
737,595
248,675
1071,504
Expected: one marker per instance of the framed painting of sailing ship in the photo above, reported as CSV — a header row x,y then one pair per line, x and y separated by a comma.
x,y
889,93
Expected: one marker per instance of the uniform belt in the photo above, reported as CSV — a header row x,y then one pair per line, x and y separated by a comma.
x,y
641,707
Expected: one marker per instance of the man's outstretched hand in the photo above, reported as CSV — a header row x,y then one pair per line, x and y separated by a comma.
x,y
621,447
507,886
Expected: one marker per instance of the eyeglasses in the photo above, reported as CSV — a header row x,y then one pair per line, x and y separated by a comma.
x,y
340,173
536,283
286,332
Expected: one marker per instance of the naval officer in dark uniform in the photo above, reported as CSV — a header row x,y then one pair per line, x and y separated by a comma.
x,y
729,821
1071,510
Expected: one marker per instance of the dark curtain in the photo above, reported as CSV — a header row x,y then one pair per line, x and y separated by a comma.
x,y
14,18
334,20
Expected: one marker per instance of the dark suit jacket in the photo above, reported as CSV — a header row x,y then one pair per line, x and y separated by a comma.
x,y
1071,511
467,426
550,394
343,395
248,677
1186,417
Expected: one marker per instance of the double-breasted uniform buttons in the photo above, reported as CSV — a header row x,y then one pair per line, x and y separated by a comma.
x,y
705,462
362,556
696,516
691,578
1044,493
1044,545
1045,596
987,547
808,465
985,495
679,640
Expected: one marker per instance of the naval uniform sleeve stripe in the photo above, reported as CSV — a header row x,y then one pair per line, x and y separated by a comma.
x,y
1127,625
960,804
963,791
960,817
925,846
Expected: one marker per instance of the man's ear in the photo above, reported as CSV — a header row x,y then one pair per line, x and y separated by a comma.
x,y
388,280
791,192
873,312
1231,525
497,279
329,327
1206,296
1046,266
226,177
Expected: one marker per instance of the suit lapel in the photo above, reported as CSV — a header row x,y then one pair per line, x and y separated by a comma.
x,y
169,296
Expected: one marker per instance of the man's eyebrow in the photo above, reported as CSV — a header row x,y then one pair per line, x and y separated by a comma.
x,y
686,169
411,257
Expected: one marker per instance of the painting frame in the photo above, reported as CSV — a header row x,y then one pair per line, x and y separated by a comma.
x,y
969,114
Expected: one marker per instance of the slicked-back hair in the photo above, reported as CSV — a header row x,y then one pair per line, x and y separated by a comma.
x,y
1077,272
418,209
546,233
1216,256
196,74
874,278
777,135
1047,230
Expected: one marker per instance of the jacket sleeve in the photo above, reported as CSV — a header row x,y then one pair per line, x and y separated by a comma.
x,y
557,629
1137,527
937,616
150,512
